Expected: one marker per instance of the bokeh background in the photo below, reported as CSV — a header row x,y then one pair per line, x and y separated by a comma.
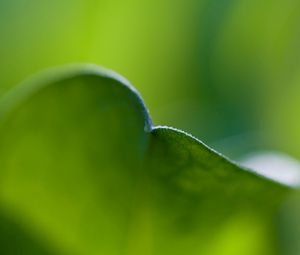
x,y
226,71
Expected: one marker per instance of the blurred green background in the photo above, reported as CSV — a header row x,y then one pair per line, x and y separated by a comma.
x,y
226,71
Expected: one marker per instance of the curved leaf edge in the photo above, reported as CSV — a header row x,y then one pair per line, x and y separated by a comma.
x,y
223,158
36,82
33,84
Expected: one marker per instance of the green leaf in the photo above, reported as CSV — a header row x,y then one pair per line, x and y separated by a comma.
x,y
204,194
83,171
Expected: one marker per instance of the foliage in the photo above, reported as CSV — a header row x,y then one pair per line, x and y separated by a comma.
x,y
84,171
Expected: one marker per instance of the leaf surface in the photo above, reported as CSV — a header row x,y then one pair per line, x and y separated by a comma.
x,y
83,171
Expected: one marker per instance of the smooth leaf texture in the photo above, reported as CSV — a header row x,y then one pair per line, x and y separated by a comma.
x,y
83,171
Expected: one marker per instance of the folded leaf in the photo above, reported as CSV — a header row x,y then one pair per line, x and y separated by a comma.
x,y
84,172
